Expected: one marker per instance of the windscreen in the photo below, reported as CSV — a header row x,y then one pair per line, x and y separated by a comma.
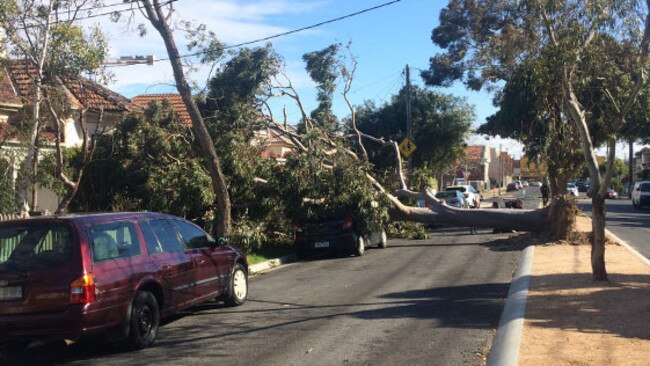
x,y
34,247
446,194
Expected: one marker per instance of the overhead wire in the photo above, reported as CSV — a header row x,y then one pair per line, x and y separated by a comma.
x,y
282,34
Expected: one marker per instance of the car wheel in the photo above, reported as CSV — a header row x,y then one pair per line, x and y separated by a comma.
x,y
145,320
238,286
361,246
384,240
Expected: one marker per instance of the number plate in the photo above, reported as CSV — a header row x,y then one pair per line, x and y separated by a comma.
x,y
11,293
322,244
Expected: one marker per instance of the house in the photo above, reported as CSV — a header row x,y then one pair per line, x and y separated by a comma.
x,y
500,167
529,169
84,96
474,167
274,143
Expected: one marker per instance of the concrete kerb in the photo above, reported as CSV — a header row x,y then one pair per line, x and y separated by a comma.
x,y
505,348
271,263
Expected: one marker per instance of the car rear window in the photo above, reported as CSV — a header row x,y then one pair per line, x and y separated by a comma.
x,y
113,241
462,189
446,194
645,187
35,246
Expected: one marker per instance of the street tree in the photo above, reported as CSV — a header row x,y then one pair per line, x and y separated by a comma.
x,y
485,41
440,125
42,36
159,14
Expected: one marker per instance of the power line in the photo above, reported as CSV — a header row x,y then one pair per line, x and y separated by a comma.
x,y
289,32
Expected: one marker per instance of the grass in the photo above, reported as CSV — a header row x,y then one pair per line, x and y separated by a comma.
x,y
270,251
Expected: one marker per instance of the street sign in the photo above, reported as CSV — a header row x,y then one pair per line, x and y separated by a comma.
x,y
406,147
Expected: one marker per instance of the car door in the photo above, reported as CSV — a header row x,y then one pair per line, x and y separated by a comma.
x,y
176,270
210,264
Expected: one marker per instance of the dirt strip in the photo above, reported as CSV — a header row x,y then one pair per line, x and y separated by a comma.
x,y
571,320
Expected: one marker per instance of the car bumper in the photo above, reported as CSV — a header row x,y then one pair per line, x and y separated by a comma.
x,y
74,322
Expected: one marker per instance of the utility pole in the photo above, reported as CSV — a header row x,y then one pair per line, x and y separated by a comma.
x,y
409,132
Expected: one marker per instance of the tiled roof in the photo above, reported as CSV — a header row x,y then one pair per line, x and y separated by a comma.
x,y
474,152
82,92
175,100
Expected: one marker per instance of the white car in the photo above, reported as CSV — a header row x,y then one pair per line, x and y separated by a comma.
x,y
471,195
641,194
572,189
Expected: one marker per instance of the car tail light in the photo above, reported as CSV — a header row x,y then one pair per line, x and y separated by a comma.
x,y
466,194
347,223
82,290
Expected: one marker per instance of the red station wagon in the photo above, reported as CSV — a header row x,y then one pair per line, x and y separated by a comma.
x,y
64,277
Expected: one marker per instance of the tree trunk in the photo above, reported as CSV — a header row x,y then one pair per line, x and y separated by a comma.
x,y
219,185
502,219
599,272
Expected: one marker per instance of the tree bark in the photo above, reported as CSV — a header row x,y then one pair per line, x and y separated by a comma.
x,y
211,159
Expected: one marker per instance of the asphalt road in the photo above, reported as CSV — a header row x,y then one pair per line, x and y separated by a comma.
x,y
430,302
629,224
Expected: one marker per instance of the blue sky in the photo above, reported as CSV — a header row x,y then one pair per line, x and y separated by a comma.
x,y
383,41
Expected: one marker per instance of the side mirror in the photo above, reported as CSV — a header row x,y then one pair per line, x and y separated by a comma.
x,y
205,241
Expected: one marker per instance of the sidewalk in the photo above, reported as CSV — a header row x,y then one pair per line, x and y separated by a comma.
x,y
571,320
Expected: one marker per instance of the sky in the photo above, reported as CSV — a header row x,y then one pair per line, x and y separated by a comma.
x,y
383,41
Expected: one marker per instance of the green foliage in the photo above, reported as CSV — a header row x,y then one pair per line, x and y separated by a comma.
x,y
149,163
406,230
7,192
315,190
322,68
76,52
440,125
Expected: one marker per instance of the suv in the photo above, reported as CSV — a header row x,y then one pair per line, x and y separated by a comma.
x,y
334,236
641,194
64,277
471,195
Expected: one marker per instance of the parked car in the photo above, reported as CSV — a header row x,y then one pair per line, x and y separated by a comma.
x,y
512,186
572,189
65,277
641,194
453,198
472,197
334,236
582,186
611,193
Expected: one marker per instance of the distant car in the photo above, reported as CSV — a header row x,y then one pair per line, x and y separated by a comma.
x,y
525,184
472,197
512,186
453,198
641,194
611,193
582,186
64,277
334,236
572,189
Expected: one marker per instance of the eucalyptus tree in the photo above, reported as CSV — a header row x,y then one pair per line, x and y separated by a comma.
x,y
484,42
159,14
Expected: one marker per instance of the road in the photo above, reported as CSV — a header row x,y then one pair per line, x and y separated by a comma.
x,y
435,301
629,224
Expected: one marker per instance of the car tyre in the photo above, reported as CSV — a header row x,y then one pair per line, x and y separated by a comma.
x,y
237,291
145,320
361,246
383,243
